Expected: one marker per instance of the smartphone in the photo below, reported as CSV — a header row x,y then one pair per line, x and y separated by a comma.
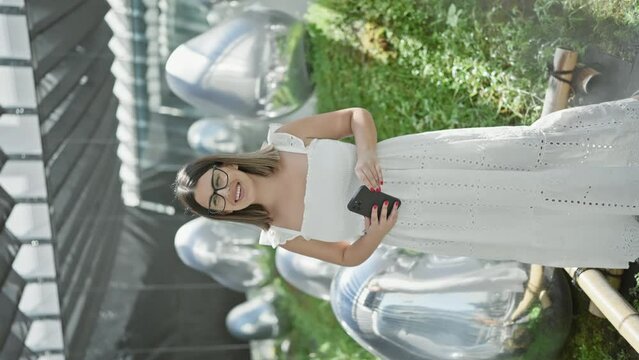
x,y
363,201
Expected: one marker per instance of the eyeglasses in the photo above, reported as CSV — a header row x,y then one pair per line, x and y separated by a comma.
x,y
219,180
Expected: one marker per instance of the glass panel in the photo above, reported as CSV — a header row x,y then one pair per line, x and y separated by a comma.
x,y
23,179
14,37
18,3
20,134
35,261
17,87
29,221
40,299
45,335
51,357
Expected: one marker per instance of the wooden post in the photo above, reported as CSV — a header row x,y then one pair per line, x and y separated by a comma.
x,y
558,91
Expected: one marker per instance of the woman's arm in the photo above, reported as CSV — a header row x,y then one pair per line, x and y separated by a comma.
x,y
336,125
340,253
339,124
362,249
345,254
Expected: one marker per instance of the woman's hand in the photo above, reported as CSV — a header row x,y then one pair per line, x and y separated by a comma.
x,y
381,227
368,170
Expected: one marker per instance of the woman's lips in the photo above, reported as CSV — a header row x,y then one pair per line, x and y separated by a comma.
x,y
241,192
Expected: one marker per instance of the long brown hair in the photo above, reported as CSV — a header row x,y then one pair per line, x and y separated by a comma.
x,y
263,162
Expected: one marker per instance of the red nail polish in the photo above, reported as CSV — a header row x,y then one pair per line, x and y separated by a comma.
x,y
386,203
379,189
372,189
382,182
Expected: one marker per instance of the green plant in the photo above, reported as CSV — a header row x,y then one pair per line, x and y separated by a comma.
x,y
315,333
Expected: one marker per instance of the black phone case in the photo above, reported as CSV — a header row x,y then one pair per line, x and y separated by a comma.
x,y
362,203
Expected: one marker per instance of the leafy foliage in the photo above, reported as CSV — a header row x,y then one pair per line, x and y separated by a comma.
x,y
434,64
594,338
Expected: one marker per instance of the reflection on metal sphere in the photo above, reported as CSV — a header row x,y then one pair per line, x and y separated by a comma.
x,y
307,274
214,136
211,136
257,318
220,10
401,305
250,66
225,251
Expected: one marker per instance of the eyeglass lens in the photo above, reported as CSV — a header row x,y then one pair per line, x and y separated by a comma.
x,y
219,181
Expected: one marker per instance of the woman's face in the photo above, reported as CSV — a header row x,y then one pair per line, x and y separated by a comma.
x,y
237,179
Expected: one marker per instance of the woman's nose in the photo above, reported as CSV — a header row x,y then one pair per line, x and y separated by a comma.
x,y
225,192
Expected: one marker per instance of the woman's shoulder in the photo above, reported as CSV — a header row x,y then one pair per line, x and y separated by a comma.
x,y
276,236
285,141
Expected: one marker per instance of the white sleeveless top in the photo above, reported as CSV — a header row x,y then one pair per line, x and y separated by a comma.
x,y
330,184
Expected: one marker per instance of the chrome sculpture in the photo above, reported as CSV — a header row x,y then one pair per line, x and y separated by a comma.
x,y
220,10
307,274
213,136
225,251
401,305
251,66
257,318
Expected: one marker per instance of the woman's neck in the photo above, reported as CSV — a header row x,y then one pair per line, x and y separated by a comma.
x,y
267,191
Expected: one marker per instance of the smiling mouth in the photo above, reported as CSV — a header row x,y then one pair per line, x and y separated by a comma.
x,y
239,194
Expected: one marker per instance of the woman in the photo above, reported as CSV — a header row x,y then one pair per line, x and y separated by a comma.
x,y
561,192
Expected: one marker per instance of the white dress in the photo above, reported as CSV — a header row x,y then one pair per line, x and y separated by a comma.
x,y
562,192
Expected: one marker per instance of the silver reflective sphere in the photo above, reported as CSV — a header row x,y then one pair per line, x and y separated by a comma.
x,y
220,10
307,274
250,66
256,318
213,136
225,251
406,305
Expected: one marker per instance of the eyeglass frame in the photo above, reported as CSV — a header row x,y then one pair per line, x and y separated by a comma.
x,y
215,190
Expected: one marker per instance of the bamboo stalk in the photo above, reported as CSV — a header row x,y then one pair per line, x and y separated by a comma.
x,y
558,91
616,309
533,291
615,283
582,79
